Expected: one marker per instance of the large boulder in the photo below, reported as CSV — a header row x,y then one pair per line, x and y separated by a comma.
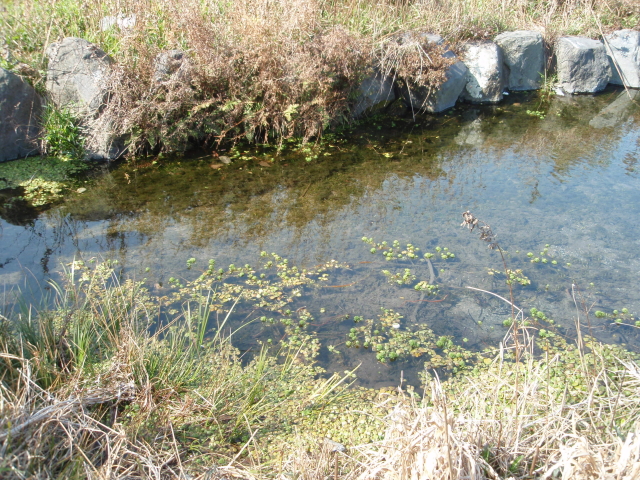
x,y
78,75
623,49
375,91
78,79
484,72
441,98
523,53
20,111
101,141
583,65
446,94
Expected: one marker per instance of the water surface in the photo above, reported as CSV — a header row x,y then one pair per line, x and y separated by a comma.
x,y
562,173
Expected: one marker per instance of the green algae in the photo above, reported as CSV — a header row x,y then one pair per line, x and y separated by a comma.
x,y
43,180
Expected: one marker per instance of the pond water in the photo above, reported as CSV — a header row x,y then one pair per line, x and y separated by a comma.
x,y
561,173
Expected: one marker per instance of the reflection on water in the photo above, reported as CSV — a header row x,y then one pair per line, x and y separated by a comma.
x,y
563,174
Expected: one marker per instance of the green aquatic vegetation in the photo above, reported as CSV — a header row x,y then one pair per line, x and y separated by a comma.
x,y
404,277
619,317
393,251
545,256
272,287
43,179
539,315
536,113
424,286
390,341
512,276
444,253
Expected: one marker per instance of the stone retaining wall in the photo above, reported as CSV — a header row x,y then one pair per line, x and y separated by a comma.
x,y
78,79
515,61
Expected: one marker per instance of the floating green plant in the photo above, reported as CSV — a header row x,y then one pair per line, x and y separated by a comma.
x,y
389,341
43,179
512,276
619,317
404,277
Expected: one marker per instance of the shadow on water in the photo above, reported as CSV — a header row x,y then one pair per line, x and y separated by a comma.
x,y
560,172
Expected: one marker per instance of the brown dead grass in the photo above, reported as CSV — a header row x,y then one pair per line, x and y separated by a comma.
x,y
269,70
472,429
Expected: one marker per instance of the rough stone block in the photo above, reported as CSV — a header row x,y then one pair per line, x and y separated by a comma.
x,y
77,75
20,111
442,98
523,53
484,72
101,143
446,95
623,49
374,91
583,65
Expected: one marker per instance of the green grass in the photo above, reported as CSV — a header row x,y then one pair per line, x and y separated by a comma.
x,y
61,136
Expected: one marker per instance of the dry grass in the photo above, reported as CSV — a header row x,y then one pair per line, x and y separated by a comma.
x,y
271,70
481,428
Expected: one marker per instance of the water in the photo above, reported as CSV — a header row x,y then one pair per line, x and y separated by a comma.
x,y
566,177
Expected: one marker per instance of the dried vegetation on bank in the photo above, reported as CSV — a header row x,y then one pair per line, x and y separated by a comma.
x,y
271,70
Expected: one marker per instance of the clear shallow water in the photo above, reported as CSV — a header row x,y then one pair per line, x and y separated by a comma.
x,y
569,180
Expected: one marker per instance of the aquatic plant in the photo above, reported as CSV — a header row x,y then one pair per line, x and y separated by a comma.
x,y
42,179
512,276
390,340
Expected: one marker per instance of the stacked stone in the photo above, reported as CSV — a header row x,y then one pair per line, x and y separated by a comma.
x,y
515,61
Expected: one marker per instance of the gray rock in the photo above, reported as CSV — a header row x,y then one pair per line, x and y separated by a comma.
x,y
121,21
523,53
442,98
617,112
78,78
623,49
375,91
484,72
583,65
171,66
77,75
20,111
446,95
